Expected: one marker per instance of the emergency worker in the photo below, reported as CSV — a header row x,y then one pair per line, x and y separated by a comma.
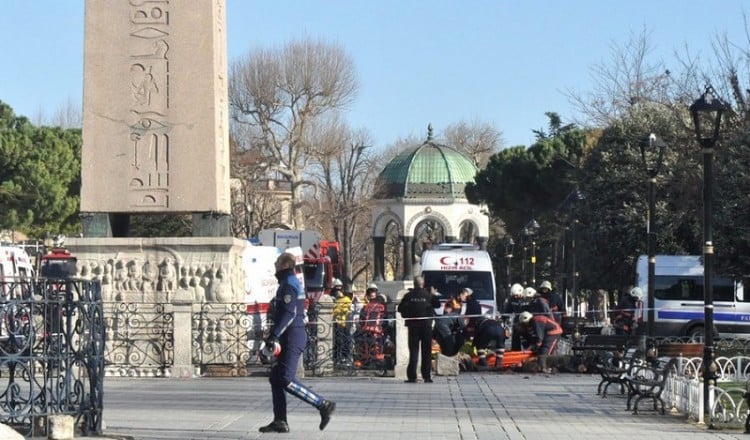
x,y
513,307
470,308
489,336
336,286
553,300
535,304
449,329
342,347
545,334
628,312
418,307
436,293
371,326
289,332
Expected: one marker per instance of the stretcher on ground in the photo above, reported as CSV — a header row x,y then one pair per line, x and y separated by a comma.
x,y
511,359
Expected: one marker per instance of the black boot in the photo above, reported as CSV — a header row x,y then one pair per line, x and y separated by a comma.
x,y
275,426
326,409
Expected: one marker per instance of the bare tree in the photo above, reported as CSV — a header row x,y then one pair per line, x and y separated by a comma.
x,y
344,173
67,115
284,95
630,78
255,201
478,140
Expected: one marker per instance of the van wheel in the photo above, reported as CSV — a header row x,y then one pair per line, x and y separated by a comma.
x,y
697,334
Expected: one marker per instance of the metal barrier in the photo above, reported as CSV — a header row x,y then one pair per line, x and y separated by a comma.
x,y
51,354
347,348
225,341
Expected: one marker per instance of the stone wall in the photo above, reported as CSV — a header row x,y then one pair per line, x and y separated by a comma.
x,y
162,270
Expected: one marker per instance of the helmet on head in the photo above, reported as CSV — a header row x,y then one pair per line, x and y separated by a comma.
x,y
530,292
636,292
545,285
337,283
468,291
525,317
372,286
516,290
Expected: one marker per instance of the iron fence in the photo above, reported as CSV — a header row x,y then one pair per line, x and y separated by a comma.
x,y
51,353
225,341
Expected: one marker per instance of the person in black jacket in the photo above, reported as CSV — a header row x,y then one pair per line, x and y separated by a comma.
x,y
418,307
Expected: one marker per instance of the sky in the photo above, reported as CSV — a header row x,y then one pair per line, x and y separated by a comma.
x,y
417,62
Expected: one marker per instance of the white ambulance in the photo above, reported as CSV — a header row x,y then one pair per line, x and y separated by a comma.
x,y
452,266
258,263
679,302
16,272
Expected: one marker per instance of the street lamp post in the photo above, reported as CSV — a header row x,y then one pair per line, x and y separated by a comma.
x,y
573,198
523,262
707,111
652,156
530,230
509,257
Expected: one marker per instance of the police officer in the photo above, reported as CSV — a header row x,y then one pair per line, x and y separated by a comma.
x,y
289,331
418,307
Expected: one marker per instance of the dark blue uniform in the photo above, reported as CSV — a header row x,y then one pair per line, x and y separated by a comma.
x,y
289,329
418,307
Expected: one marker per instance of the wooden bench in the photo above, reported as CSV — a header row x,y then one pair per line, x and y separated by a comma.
x,y
607,343
615,370
648,381
676,350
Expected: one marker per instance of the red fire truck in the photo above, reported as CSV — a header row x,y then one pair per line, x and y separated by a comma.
x,y
322,258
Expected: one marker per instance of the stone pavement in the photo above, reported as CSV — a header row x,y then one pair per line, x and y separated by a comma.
x,y
468,406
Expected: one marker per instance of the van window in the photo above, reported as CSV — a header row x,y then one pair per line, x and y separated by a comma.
x,y
450,282
681,288
740,283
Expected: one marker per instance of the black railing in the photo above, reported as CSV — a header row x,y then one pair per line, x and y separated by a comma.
x,y
51,354
347,347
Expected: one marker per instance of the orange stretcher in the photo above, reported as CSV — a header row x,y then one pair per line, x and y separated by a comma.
x,y
511,359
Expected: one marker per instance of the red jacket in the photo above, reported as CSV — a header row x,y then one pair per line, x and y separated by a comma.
x,y
544,325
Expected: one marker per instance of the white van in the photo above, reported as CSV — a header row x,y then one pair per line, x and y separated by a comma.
x,y
678,298
452,266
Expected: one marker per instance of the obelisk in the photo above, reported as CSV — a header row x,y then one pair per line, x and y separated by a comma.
x,y
155,125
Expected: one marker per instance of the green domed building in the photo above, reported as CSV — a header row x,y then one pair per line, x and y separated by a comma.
x,y
420,196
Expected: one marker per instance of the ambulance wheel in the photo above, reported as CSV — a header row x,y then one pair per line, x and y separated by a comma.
x,y
697,333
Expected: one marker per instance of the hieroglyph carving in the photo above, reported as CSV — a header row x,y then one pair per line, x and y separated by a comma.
x,y
149,109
